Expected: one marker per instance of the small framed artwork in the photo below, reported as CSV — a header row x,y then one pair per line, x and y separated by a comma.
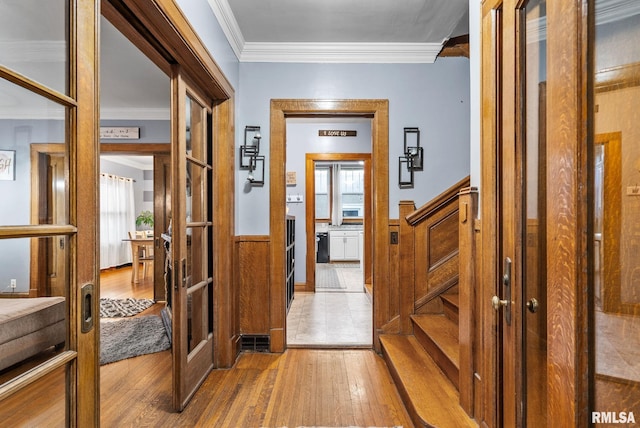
x,y
7,165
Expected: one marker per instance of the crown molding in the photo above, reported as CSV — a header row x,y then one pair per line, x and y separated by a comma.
x,y
318,52
341,52
229,25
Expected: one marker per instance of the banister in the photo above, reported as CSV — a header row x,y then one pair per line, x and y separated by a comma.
x,y
434,205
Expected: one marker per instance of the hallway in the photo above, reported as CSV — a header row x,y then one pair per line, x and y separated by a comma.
x,y
339,314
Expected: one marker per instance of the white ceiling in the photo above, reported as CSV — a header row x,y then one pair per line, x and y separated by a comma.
x,y
374,31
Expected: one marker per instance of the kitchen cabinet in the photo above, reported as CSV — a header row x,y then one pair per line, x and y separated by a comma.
x,y
344,245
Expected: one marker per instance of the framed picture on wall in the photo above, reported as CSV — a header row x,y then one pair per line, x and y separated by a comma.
x,y
7,165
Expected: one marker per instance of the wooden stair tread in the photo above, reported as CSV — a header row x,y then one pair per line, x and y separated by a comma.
x,y
443,332
431,399
453,299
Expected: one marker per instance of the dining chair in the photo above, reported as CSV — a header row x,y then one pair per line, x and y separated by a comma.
x,y
142,252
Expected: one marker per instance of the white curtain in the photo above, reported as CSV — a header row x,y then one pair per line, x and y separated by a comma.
x,y
117,219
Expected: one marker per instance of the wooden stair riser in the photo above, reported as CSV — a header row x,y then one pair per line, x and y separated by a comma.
x,y
450,310
402,390
447,366
429,396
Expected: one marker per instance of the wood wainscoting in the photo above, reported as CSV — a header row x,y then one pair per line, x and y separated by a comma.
x,y
252,271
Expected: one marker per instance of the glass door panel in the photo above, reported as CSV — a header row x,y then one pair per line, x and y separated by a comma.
x,y
35,40
533,216
191,246
614,210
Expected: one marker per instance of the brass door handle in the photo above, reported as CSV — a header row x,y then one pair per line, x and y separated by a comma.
x,y
497,303
533,305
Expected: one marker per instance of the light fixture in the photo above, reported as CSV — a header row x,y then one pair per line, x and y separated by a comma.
x,y
413,158
251,146
250,156
256,171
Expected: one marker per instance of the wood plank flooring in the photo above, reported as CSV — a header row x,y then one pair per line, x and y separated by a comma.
x,y
301,387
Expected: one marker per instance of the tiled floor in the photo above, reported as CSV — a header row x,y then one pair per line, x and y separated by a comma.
x,y
332,317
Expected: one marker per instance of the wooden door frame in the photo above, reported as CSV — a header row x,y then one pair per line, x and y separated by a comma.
x,y
310,211
157,151
568,246
280,110
37,280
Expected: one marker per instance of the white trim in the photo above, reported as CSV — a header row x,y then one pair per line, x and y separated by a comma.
x,y
229,25
341,52
413,53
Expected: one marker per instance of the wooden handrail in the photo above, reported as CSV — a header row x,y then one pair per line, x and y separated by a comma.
x,y
432,206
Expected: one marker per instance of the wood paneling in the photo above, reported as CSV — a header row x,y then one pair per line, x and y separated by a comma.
x,y
226,306
568,218
436,247
486,410
252,271
467,325
394,274
443,240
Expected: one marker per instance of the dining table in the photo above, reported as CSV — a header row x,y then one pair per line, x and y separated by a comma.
x,y
141,251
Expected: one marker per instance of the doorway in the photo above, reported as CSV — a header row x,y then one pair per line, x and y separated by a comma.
x,y
378,111
334,308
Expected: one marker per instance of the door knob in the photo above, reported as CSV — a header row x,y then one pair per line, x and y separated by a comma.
x,y
497,303
533,305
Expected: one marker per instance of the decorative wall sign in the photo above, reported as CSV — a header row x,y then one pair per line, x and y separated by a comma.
x,y
7,165
291,178
118,132
336,133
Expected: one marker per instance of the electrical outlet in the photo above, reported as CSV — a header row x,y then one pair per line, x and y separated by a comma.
x,y
13,283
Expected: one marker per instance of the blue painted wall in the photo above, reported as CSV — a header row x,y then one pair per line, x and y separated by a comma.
x,y
433,97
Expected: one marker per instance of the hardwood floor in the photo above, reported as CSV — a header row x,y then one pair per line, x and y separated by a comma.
x,y
301,387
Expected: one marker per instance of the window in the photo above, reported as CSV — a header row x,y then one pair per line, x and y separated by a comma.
x,y
351,193
323,193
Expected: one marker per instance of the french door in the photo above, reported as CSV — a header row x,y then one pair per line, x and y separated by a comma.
x,y
191,239
519,117
537,175
48,232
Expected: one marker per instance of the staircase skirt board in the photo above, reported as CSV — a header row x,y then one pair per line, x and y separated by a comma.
x,y
431,399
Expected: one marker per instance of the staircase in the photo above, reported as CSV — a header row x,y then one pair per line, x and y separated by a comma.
x,y
428,345
425,367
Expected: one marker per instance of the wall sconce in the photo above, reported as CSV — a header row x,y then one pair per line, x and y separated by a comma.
x,y
256,171
413,158
251,146
250,156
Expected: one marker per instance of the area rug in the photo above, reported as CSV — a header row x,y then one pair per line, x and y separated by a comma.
x,y
117,308
326,277
130,337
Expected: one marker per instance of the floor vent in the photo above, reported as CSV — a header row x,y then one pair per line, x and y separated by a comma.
x,y
255,343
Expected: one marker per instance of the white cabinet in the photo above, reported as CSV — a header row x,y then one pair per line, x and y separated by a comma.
x,y
344,245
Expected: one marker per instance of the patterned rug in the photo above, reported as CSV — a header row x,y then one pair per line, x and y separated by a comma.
x,y
130,337
118,308
327,277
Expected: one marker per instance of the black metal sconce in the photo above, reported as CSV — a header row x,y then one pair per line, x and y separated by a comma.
x,y
413,158
251,146
256,171
250,156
